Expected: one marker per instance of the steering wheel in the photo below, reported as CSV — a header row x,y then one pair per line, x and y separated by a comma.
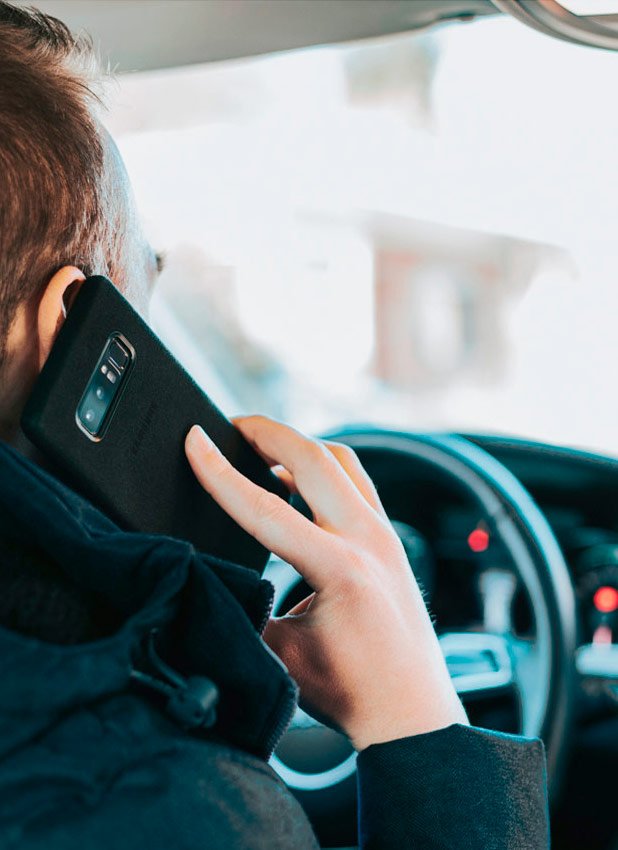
x,y
539,670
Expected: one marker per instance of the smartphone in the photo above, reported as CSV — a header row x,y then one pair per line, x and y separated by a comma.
x,y
111,410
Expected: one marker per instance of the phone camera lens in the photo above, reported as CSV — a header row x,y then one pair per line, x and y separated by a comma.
x,y
89,417
100,392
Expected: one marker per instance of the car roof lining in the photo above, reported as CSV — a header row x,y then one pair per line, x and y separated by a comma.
x,y
138,35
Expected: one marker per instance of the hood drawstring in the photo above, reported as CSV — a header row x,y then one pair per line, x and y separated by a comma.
x,y
192,702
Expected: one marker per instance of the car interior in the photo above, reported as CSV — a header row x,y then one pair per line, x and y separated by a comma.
x,y
393,223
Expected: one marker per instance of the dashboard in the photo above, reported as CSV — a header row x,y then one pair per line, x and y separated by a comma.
x,y
578,493
471,584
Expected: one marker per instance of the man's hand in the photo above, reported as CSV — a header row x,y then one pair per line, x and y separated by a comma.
x,y
361,646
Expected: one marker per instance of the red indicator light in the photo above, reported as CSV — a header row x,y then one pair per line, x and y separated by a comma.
x,y
478,540
605,600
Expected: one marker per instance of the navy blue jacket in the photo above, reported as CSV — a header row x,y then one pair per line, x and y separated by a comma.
x,y
116,742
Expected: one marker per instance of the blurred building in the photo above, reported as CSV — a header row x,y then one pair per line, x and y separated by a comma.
x,y
441,297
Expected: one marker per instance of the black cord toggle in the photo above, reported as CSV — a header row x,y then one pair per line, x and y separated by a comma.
x,y
195,705
191,702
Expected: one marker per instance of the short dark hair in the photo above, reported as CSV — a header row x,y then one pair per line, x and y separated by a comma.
x,y
59,204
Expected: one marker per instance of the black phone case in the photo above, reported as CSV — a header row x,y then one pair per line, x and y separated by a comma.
x,y
137,472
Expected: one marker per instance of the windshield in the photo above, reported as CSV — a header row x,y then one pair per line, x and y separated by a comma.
x,y
418,232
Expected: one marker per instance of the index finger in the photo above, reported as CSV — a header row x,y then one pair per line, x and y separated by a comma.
x,y
264,515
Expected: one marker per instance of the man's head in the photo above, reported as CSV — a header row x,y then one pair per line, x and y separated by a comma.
x,y
66,209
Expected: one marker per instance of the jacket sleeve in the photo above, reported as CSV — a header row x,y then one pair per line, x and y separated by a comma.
x,y
460,788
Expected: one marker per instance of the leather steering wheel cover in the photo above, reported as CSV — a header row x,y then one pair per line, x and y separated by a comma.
x,y
512,508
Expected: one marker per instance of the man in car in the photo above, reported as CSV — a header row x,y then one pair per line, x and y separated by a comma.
x,y
106,637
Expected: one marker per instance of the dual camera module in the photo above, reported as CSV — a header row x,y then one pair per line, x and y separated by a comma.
x,y
97,402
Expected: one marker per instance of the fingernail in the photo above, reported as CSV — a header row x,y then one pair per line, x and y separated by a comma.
x,y
198,437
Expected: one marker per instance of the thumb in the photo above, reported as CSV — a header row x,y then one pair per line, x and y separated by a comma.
x,y
281,633
283,636
301,606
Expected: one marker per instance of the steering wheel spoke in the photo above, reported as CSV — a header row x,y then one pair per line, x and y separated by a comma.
x,y
480,664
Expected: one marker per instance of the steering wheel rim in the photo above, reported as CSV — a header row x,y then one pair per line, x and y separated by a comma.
x,y
537,557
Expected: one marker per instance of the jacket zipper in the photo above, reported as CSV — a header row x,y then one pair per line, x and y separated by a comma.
x,y
284,716
270,602
284,719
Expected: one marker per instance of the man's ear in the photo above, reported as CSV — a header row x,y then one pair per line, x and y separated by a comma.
x,y
53,306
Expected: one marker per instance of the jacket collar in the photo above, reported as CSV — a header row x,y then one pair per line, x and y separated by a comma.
x,y
208,615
